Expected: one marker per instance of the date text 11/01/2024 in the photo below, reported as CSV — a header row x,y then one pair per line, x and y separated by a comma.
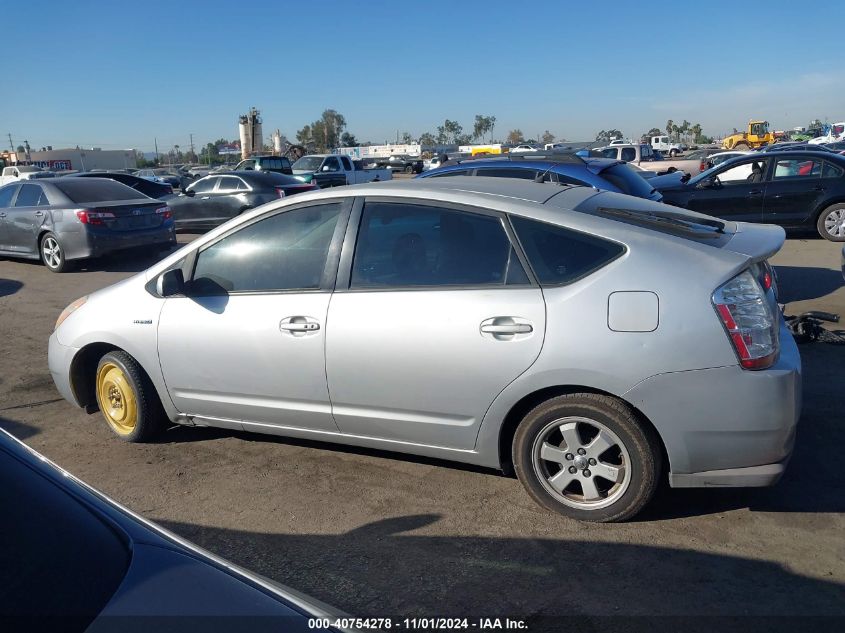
x,y
430,624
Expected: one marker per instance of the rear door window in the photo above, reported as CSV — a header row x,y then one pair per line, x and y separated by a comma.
x,y
228,184
457,172
559,255
791,168
629,154
403,244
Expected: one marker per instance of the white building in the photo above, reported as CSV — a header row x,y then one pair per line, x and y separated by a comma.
x,y
78,159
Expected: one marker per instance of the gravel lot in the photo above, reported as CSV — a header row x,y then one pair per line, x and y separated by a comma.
x,y
382,534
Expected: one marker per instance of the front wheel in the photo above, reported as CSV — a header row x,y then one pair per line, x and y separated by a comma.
x,y
588,457
53,255
127,398
831,223
673,153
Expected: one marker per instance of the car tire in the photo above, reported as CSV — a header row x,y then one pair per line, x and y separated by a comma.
x,y
616,459
52,254
831,223
127,398
673,153
409,169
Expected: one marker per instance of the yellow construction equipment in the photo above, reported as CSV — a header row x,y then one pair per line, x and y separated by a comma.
x,y
756,135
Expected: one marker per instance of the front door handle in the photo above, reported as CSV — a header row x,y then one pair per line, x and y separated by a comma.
x,y
299,325
2,215
205,198
39,213
755,192
514,328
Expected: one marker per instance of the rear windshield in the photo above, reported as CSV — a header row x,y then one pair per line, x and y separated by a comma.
x,y
85,190
628,181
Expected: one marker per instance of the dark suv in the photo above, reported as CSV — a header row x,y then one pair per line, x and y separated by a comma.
x,y
278,164
564,168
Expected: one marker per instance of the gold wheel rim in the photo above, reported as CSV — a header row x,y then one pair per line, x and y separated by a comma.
x,y
117,399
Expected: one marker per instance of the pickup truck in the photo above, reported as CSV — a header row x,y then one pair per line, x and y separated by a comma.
x,y
407,164
23,172
663,145
644,157
332,170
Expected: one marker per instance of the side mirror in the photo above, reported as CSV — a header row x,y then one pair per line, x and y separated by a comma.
x,y
190,193
171,283
707,183
325,168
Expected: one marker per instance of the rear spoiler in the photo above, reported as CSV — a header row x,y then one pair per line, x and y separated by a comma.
x,y
757,241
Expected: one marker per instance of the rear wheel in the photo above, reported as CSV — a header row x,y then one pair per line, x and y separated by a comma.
x,y
127,398
588,457
409,169
831,223
673,153
53,255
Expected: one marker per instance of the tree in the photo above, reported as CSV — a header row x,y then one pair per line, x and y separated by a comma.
x,y
427,140
324,133
515,137
452,130
20,149
696,132
407,139
547,137
676,132
348,140
654,132
442,138
606,136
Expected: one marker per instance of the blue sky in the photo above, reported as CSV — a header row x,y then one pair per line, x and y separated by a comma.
x,y
119,74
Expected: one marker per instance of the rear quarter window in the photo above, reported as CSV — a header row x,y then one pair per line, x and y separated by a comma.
x,y
84,190
559,255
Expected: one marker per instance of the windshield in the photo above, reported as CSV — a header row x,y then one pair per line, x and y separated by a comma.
x,y
308,163
630,182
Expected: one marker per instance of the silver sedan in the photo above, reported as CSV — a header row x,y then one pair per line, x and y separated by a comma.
x,y
591,342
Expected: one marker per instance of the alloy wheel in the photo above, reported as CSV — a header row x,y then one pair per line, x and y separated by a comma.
x,y
52,252
581,463
834,223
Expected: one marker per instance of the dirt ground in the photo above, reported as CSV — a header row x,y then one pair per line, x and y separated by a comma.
x,y
381,534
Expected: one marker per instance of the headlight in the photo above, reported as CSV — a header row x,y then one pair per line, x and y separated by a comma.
x,y
70,310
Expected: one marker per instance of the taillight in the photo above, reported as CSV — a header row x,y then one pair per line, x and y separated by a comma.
x,y
748,320
94,218
165,212
280,191
169,189
703,166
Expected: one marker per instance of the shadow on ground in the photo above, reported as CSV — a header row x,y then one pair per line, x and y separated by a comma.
x,y
798,283
383,568
9,287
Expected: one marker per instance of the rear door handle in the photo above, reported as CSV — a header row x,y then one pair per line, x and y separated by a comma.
x,y
2,215
205,198
755,192
818,188
39,213
505,328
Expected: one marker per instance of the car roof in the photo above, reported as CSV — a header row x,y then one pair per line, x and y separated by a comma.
x,y
515,188
530,161
258,177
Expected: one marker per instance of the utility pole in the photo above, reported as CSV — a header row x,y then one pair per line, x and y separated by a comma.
x,y
155,140
12,145
192,145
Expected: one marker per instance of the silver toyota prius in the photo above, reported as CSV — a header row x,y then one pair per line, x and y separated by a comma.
x,y
588,341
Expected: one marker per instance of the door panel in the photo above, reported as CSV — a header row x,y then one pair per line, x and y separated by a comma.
x,y
738,202
794,191
23,221
415,366
229,357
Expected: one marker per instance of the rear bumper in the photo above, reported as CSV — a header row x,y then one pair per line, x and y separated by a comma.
x,y
94,243
726,426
